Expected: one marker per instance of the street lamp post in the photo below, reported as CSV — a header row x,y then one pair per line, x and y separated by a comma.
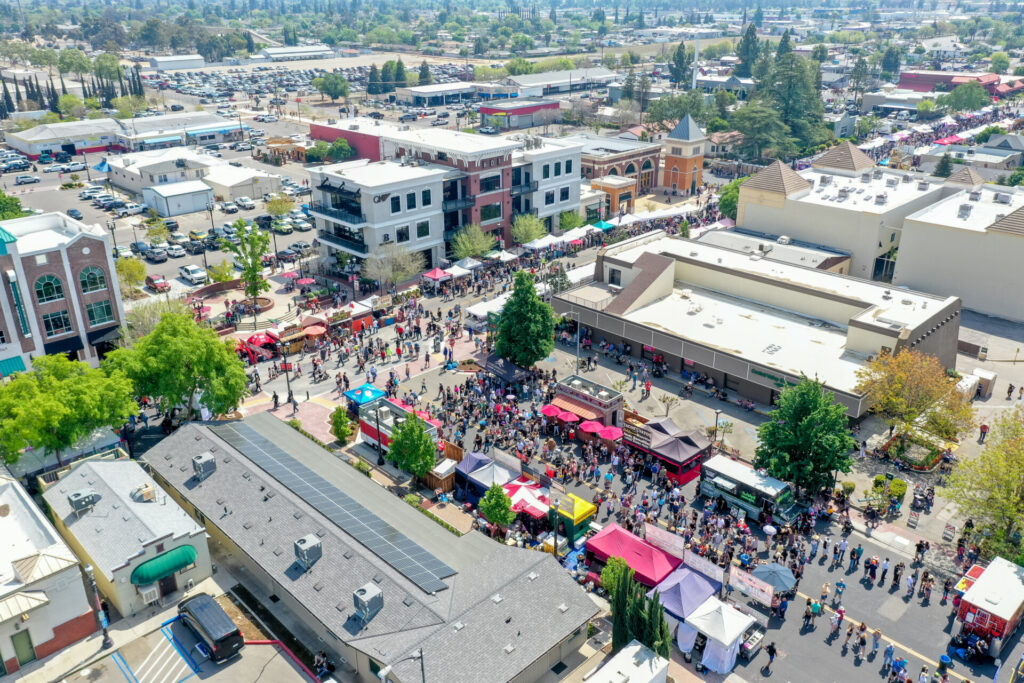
x,y
209,207
718,411
284,361
101,616
112,226
380,446
383,673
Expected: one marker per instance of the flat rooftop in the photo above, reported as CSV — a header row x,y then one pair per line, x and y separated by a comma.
x,y
863,194
180,188
368,173
983,212
452,141
437,88
597,145
750,243
47,231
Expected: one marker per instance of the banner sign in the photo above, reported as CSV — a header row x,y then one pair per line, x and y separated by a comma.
x,y
751,586
704,566
660,538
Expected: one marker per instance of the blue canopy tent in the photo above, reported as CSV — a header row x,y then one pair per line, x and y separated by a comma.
x,y
102,167
683,591
360,396
470,462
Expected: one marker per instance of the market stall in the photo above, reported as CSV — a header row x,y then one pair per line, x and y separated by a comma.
x,y
679,452
717,630
432,278
469,263
650,564
469,463
379,418
683,591
992,606
528,497
360,396
442,478
589,400
483,478
574,517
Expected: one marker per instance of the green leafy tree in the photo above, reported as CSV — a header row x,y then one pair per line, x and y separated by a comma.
x,y
944,168
341,424
280,205
527,227
472,242
496,506
622,593
762,129
130,273
373,81
426,78
785,45
58,403
252,246
926,107
729,197
790,86
610,573
73,61
569,220
401,77
71,105
747,50
144,316
805,439
859,75
222,272
181,364
331,84
866,125
1000,62
412,448
819,53
891,60
392,264
10,207
108,67
987,133
965,97
526,327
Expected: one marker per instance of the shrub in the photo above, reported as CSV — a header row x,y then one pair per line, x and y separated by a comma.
x,y
363,467
848,487
898,488
411,499
879,482
295,424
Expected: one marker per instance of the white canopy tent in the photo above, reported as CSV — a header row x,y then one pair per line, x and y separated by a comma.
x,y
469,263
458,271
542,242
723,625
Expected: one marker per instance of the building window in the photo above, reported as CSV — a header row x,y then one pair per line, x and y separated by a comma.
x,y
92,279
49,288
549,197
546,171
614,276
99,312
40,259
162,178
422,229
410,201
425,198
558,168
402,234
563,194
696,151
159,547
3,337
568,166
490,184
490,212
56,323
396,204
677,151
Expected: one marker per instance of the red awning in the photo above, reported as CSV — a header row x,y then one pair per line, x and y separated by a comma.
x,y
650,564
577,407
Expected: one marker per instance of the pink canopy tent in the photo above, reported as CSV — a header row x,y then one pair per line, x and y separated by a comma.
x,y
550,411
650,564
952,139
528,496
611,433
437,275
566,416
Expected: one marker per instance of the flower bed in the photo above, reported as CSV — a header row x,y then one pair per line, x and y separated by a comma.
x,y
902,448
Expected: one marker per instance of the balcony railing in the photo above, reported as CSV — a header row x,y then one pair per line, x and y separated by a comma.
x,y
337,214
342,242
457,204
525,188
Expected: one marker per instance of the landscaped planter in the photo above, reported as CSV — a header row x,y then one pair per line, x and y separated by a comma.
x,y
926,465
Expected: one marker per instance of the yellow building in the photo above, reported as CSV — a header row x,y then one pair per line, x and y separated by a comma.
x,y
683,150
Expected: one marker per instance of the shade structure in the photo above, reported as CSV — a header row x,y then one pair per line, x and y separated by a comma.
x,y
437,275
469,263
163,565
550,411
527,496
781,578
591,426
724,626
684,590
576,243
577,509
290,275
311,320
650,564
566,416
610,433
472,461
603,225
315,330
305,281
364,394
490,474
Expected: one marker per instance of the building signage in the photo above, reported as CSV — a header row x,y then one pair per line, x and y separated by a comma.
x,y
648,348
751,586
636,433
339,316
779,382
704,566
583,396
380,198
666,540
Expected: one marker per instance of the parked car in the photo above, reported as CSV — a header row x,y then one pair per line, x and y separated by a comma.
x,y
122,251
177,238
25,179
489,130
192,274
45,158
302,226
404,118
139,247
75,213
229,207
171,225
286,256
90,192
175,251
158,283
15,165
282,228
197,234
300,247
194,247
54,169
74,166
245,203
241,146
156,255
177,107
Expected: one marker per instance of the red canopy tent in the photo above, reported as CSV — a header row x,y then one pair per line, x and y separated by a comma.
x,y
650,564
437,275
527,497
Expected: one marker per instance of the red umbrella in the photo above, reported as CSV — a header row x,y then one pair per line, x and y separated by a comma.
x,y
576,243
611,433
566,416
591,426
315,330
290,275
305,281
550,411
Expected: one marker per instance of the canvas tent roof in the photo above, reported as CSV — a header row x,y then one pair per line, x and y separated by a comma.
x,y
719,621
472,461
684,591
490,474
650,564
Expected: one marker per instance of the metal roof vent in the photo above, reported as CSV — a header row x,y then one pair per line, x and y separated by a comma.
x,y
83,500
865,177
563,608
825,179
1002,198
964,211
510,648
496,598
975,195
891,182
877,173
923,185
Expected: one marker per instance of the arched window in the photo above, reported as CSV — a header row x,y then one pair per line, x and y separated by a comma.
x,y
631,169
647,165
613,171
92,279
49,288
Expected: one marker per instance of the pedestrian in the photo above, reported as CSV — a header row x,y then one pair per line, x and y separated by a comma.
x,y
946,587
911,580
824,591
887,656
277,400
984,432
783,606
885,570
836,622
840,587
772,651
849,634
808,614
876,639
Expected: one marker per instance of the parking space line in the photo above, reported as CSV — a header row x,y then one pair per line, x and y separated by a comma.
x,y
180,649
158,664
123,666
145,661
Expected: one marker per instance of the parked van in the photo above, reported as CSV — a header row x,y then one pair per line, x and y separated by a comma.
x,y
212,626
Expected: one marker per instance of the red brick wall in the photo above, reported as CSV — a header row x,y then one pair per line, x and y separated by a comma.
x,y
63,635
366,145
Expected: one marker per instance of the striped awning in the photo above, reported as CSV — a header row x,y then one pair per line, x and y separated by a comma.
x,y
576,407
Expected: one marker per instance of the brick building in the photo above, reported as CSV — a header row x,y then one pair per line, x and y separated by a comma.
x,y
684,157
603,156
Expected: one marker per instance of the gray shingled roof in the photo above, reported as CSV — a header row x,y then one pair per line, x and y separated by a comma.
x,y
264,519
777,178
966,176
1012,223
115,529
686,129
844,157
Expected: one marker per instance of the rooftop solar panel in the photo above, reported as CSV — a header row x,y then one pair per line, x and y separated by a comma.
x,y
379,537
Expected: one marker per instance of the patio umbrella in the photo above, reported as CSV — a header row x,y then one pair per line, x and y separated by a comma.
x,y
566,416
550,411
611,433
780,578
305,281
591,426
315,330
290,275
576,243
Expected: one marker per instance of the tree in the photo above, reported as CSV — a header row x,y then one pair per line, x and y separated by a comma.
x,y
729,197
391,264
926,107
496,506
987,133
426,78
669,402
108,67
58,403
222,272
762,129
785,45
373,86
989,487
143,317
1000,62
472,242
182,364
341,424
331,84
71,106
859,75
73,61
252,246
527,227
944,168
569,220
526,327
819,53
891,60
610,573
558,280
412,448
10,207
908,385
629,86
280,205
805,438
965,97
130,273
866,125
401,78
621,593
747,50
680,64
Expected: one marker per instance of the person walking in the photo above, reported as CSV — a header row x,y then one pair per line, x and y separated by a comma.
x,y
840,587
888,655
897,572
825,591
849,634
876,640
277,400
885,570
772,652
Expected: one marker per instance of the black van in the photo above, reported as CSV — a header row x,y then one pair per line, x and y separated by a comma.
x,y
212,626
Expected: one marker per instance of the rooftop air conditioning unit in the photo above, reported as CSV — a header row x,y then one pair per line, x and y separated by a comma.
x,y
308,550
881,198
959,155
825,179
877,173
907,179
203,465
146,492
784,239
865,177
970,151
149,594
923,185
964,211
1002,198
844,192
975,195
83,500
891,182
368,600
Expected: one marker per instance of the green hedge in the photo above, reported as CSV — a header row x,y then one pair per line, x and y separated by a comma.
x,y
897,487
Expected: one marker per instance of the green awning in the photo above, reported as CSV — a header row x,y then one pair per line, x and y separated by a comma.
x,y
160,566
9,366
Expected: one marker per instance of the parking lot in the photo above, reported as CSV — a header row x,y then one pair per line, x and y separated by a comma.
x,y
169,655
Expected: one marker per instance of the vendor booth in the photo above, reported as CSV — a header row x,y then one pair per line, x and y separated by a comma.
x,y
442,478
574,517
504,369
991,607
683,591
650,564
379,418
293,339
679,453
360,396
589,400
483,478
528,497
257,347
717,630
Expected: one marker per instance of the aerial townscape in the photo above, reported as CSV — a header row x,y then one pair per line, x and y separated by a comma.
x,y
511,341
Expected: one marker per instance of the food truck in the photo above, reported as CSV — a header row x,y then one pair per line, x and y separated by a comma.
x,y
992,605
379,419
747,489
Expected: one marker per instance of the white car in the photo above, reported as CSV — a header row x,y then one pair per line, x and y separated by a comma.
x,y
74,166
229,207
176,251
192,274
131,209
245,203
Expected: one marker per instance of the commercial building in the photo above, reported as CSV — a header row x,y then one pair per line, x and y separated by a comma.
x,y
890,99
59,291
44,606
546,178
230,182
143,548
921,80
969,244
778,248
293,53
515,114
993,157
740,87
755,325
603,156
166,62
435,94
370,580
683,150
138,170
560,82
175,199
360,205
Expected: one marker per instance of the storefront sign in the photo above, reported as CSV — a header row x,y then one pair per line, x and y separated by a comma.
x,y
704,566
636,434
383,302
660,538
751,586
779,382
648,348
339,316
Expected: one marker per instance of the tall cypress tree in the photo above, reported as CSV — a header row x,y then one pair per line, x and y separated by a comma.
x,y
17,92
8,102
63,88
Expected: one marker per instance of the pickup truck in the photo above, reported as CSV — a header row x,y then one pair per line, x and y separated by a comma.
x,y
245,203
130,209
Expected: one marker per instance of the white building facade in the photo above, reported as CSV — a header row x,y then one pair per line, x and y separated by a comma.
x,y
546,178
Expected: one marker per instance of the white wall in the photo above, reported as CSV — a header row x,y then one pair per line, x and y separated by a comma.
x,y
177,205
68,600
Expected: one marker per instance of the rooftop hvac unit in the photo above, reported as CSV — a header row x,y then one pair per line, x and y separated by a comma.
x,y
826,179
368,600
975,195
891,182
203,465
844,192
308,550
180,163
923,185
877,173
146,492
907,179
354,126
865,177
1002,198
970,151
964,211
881,198
83,500
784,239
959,155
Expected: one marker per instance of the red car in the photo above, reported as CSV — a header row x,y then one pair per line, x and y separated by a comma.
x,y
158,283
